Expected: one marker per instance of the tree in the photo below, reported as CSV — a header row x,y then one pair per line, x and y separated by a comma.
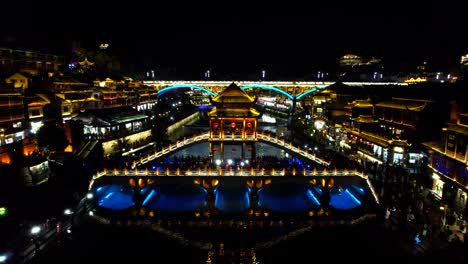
x,y
51,137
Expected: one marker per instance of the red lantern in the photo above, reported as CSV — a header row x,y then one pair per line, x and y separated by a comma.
x,y
233,125
250,149
234,149
215,149
215,124
249,124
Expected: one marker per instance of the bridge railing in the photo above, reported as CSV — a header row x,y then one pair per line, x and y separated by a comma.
x,y
229,172
152,155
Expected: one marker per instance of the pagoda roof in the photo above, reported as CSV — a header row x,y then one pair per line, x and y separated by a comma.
x,y
405,104
233,94
215,112
86,62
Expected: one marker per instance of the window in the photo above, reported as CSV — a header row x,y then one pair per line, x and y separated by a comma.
x,y
35,112
66,109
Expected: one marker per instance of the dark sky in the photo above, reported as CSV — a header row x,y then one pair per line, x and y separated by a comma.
x,y
244,38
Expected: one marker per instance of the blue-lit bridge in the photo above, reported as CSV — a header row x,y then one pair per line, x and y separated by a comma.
x,y
291,90
254,194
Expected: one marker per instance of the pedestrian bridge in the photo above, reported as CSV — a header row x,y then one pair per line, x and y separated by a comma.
x,y
261,137
255,194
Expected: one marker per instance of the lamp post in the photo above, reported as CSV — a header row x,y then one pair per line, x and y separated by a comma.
x,y
35,231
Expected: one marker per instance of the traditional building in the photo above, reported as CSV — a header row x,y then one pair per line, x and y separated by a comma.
x,y
119,128
233,122
448,162
390,131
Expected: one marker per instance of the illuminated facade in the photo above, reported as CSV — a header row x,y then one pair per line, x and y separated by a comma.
x,y
123,127
449,162
235,118
12,123
385,132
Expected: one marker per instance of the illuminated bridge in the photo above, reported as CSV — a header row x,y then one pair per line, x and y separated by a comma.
x,y
292,90
204,194
267,138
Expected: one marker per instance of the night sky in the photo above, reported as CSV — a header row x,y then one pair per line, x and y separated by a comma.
x,y
243,38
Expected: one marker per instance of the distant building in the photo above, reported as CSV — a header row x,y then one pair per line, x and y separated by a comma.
x,y
32,62
355,68
350,60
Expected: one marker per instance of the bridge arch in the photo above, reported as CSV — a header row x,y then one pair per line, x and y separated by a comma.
x,y
320,87
185,86
268,87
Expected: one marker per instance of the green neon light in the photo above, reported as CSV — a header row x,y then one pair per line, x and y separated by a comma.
x,y
268,87
321,87
182,86
3,211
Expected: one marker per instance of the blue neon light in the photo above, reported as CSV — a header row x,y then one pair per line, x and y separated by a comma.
x,y
320,87
247,199
181,86
150,195
353,197
312,196
359,189
268,87
108,195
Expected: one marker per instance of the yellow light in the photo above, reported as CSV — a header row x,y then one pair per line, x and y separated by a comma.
x,y
259,184
131,182
141,183
69,148
214,182
398,149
